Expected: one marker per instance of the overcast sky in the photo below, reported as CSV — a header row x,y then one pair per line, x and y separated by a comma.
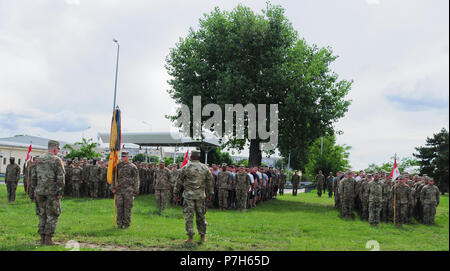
x,y
57,63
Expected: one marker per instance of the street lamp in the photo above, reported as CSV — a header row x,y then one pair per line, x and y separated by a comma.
x,y
117,70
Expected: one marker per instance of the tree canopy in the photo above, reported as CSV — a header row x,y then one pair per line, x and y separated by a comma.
x,y
83,149
239,57
433,158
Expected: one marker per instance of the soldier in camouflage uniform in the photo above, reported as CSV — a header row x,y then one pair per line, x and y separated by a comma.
x,y
242,185
420,186
294,181
347,193
68,178
126,189
320,181
429,197
330,184
364,196
84,189
196,180
224,180
375,192
94,179
26,176
104,180
162,186
282,182
401,191
412,200
49,188
387,192
152,177
337,197
12,177
77,172
33,178
173,181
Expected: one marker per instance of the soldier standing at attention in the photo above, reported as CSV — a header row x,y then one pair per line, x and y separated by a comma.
x,y
49,188
224,180
375,191
33,178
162,186
12,176
77,172
329,183
347,194
294,182
429,197
364,196
197,182
320,180
242,185
282,182
94,178
126,189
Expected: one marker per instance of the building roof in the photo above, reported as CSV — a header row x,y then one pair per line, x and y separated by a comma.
x,y
165,139
26,140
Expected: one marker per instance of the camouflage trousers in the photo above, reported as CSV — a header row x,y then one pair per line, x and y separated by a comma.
x,y
223,198
197,207
124,204
319,190
402,213
384,211
161,199
374,212
241,199
281,190
76,189
294,190
330,191
365,210
94,189
48,209
11,187
429,211
347,207
67,187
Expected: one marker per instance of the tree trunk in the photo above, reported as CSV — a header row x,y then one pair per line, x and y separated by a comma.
x,y
255,156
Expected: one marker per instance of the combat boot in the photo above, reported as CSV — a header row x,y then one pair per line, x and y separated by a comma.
x,y
48,240
189,240
202,238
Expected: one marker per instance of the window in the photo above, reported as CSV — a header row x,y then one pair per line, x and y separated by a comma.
x,y
4,161
19,161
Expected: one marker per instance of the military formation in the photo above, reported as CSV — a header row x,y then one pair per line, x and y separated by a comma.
x,y
197,187
377,199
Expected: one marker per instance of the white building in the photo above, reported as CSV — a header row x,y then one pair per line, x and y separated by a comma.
x,y
17,147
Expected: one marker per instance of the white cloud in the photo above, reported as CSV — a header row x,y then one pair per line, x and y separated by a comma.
x,y
373,2
72,2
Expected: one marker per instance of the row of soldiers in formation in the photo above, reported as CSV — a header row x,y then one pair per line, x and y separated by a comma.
x,y
372,196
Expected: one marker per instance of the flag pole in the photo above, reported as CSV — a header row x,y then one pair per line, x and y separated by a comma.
x,y
395,191
28,178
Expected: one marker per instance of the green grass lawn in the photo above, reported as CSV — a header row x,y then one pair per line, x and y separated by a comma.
x,y
305,222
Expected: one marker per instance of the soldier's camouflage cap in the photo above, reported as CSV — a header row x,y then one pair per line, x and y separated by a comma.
x,y
125,153
224,165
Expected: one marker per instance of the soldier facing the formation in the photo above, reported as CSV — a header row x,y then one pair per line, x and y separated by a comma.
x,y
162,185
126,189
49,188
320,182
294,181
197,182
12,177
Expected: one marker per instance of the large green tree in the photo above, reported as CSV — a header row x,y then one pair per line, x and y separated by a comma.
x,y
83,149
240,57
332,158
433,158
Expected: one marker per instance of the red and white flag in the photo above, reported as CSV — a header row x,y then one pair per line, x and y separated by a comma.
x,y
186,159
395,172
28,154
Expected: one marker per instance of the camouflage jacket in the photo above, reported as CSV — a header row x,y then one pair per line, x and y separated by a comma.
x,y
50,176
12,173
127,178
282,179
320,180
77,174
346,188
364,191
295,179
196,181
402,193
224,180
242,182
163,179
175,176
94,173
430,195
375,191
